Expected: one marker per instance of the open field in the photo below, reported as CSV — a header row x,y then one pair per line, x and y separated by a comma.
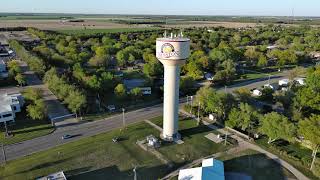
x,y
49,24
96,31
98,157
256,165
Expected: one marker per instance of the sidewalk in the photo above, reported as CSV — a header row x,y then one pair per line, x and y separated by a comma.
x,y
247,145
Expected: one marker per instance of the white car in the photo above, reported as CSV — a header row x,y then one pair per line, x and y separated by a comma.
x,y
284,82
111,108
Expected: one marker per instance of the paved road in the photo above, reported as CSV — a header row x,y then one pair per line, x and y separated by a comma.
x,y
17,150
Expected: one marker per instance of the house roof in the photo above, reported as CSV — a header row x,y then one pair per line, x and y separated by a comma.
x,y
7,100
211,169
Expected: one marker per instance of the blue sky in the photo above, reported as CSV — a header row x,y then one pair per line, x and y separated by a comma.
x,y
167,7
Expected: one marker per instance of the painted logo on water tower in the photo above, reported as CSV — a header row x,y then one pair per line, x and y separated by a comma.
x,y
172,49
168,50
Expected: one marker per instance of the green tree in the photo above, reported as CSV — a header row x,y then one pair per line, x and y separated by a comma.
x,y
37,111
308,97
309,129
262,61
76,101
187,84
136,93
32,94
245,117
277,126
194,70
14,68
153,68
120,91
21,79
122,58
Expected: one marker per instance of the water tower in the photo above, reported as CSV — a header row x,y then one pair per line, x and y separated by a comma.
x,y
172,52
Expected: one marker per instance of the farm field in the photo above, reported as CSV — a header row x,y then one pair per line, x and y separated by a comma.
x,y
54,24
100,31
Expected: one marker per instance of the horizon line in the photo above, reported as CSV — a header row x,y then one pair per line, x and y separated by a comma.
x,y
204,15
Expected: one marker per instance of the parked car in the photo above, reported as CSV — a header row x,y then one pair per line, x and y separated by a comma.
x,y
111,108
66,136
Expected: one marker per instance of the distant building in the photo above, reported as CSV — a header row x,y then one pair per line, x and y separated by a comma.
x,y
208,76
137,83
272,47
9,105
315,55
55,176
273,86
257,92
284,82
300,81
3,70
211,169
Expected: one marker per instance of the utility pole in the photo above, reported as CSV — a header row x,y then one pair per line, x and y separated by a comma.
x,y
6,128
199,113
4,153
225,89
191,100
123,119
187,100
225,139
135,173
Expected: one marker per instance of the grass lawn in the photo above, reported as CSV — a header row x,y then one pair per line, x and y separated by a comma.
x,y
97,157
101,31
195,144
256,165
248,77
25,129
293,153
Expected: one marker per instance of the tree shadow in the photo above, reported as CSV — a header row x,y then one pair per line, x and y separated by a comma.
x,y
32,130
258,166
195,130
44,165
114,173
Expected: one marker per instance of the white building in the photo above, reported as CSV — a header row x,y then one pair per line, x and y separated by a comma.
x,y
300,81
3,69
272,86
9,105
211,169
54,176
257,92
284,82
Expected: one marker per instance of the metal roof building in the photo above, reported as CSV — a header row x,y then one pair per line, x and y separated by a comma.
x,y
211,169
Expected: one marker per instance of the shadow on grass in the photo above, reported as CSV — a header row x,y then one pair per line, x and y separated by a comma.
x,y
114,173
44,165
195,130
258,166
31,130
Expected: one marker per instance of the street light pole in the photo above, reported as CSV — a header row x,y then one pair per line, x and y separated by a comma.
x,y
225,139
199,113
6,128
4,153
187,100
191,100
123,119
135,173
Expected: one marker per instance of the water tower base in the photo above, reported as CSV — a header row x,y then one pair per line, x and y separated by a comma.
x,y
173,138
